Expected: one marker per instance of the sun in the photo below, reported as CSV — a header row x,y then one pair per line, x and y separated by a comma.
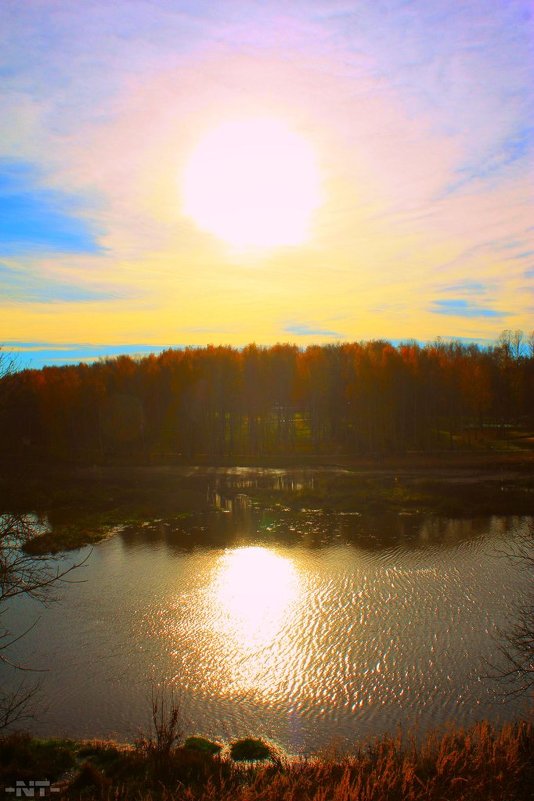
x,y
253,183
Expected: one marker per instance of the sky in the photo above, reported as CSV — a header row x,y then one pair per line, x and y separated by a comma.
x,y
190,173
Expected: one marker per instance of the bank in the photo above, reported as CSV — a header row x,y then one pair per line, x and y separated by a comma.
x,y
482,763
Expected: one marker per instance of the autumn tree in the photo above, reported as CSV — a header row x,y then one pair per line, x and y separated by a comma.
x,y
356,397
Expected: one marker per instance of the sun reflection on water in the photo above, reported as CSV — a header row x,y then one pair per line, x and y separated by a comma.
x,y
256,591
255,588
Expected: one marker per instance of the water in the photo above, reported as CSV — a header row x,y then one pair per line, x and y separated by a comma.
x,y
308,628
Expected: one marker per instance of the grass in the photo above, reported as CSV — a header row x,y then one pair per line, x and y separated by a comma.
x,y
25,757
66,538
482,763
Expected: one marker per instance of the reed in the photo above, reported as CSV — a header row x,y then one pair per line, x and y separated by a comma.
x,y
481,763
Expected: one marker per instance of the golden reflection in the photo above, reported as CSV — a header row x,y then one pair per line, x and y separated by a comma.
x,y
256,590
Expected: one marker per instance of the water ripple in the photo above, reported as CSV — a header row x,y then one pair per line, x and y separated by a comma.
x,y
302,643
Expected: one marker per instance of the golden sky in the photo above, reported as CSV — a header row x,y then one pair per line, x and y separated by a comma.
x,y
178,173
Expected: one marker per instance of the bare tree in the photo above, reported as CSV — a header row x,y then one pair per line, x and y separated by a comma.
x,y
7,368
21,573
511,342
517,342
517,645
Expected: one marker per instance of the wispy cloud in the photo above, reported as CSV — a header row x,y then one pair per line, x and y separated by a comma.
x,y
459,307
420,115
200,329
304,330
467,287
527,254
513,151
25,286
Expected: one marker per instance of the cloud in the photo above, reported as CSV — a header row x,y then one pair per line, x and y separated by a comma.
x,y
527,254
26,286
304,330
200,329
459,307
102,102
512,151
467,288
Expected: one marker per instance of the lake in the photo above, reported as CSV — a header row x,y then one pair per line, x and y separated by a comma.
x,y
312,628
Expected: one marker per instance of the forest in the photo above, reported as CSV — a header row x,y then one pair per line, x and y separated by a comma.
x,y
365,398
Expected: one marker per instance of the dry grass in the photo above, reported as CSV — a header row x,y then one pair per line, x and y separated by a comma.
x,y
483,763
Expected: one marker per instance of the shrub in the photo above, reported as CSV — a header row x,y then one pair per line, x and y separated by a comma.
x,y
101,752
23,757
249,749
89,777
160,743
202,744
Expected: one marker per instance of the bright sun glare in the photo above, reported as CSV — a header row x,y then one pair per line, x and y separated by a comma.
x,y
255,588
252,183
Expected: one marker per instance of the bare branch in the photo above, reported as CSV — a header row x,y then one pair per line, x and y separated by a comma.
x,y
18,705
22,573
517,644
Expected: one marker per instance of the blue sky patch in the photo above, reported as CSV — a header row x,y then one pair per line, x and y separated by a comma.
x,y
459,307
35,355
33,218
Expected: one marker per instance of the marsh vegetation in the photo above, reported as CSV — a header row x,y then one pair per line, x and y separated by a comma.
x,y
483,763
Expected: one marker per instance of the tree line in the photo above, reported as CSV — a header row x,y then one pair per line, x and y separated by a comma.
x,y
360,398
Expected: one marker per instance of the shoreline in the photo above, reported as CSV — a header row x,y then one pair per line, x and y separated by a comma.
x,y
85,503
447,458
484,761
